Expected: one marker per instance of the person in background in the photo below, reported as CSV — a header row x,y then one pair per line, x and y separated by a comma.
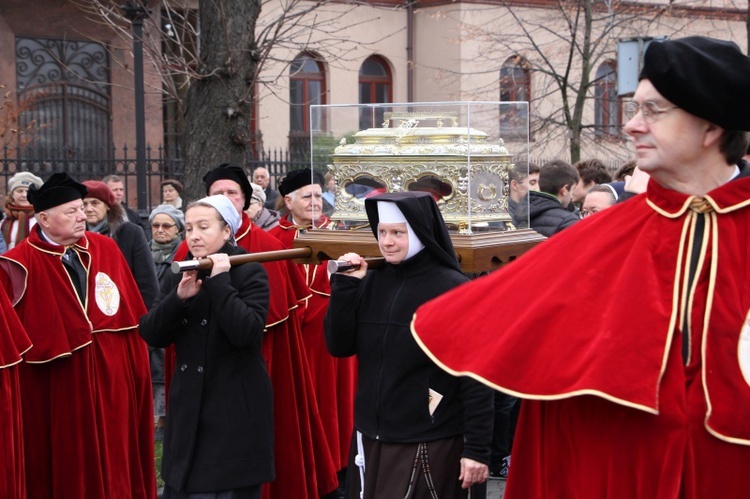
x,y
219,434
263,179
624,171
591,172
170,193
548,212
599,198
260,215
521,179
19,214
329,189
420,432
86,393
167,227
334,379
104,216
117,186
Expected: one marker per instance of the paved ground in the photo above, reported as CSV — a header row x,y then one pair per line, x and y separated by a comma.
x,y
495,489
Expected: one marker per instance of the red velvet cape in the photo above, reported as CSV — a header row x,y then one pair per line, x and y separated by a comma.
x,y
13,344
297,424
595,311
335,379
86,383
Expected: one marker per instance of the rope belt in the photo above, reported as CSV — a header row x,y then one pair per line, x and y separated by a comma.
x,y
421,460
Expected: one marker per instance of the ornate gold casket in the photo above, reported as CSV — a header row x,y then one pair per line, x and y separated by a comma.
x,y
464,170
454,150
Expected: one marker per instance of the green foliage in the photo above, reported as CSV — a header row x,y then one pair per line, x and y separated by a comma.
x,y
158,451
323,147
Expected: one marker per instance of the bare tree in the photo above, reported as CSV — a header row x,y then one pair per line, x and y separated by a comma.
x,y
562,44
13,132
210,60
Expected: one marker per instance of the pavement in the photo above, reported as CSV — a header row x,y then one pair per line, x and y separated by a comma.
x,y
495,490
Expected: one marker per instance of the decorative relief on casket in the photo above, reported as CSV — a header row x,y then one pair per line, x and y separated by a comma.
x,y
465,172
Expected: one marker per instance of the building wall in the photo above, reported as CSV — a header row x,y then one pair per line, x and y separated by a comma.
x,y
457,56
63,20
360,33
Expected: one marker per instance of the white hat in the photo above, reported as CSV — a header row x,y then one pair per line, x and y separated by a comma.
x,y
388,213
23,179
226,209
258,193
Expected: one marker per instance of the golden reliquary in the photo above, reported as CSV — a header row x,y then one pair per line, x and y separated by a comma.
x,y
465,172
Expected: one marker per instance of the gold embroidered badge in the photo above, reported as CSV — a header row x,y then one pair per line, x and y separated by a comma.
x,y
107,294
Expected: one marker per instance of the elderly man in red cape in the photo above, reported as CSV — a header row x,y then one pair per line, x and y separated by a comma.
x,y
85,384
335,379
649,395
13,344
302,471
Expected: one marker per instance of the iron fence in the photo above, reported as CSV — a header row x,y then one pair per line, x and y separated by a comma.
x,y
160,164
278,162
78,163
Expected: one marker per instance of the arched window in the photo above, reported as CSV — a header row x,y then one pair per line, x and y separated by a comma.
x,y
515,85
307,86
64,88
375,87
607,106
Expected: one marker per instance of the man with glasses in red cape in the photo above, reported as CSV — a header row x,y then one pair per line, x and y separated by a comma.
x,y
649,396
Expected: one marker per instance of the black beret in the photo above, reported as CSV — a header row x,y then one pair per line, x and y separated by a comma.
x,y
227,171
706,77
296,179
59,189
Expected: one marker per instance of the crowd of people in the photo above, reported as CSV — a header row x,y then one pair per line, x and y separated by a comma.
x,y
280,380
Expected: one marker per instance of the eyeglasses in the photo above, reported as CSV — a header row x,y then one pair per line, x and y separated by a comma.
x,y
649,110
163,226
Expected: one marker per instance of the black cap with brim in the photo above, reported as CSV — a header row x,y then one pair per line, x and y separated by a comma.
x,y
296,179
59,189
706,77
228,171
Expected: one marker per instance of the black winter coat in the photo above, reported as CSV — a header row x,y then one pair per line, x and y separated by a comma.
x,y
219,430
131,241
547,215
371,318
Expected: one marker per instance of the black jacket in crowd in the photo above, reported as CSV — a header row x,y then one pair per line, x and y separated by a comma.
x,y
134,246
547,215
371,318
219,431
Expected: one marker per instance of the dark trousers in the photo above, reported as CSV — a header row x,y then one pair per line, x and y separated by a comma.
x,y
506,417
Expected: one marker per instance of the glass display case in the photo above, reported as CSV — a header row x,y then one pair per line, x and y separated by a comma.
x,y
456,151
465,154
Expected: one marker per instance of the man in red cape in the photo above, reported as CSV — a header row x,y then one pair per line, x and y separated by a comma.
x,y
302,471
335,379
13,344
649,395
85,384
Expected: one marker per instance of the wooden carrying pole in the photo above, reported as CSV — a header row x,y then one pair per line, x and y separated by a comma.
x,y
476,252
304,253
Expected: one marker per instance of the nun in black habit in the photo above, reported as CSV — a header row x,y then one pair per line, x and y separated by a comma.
x,y
419,431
